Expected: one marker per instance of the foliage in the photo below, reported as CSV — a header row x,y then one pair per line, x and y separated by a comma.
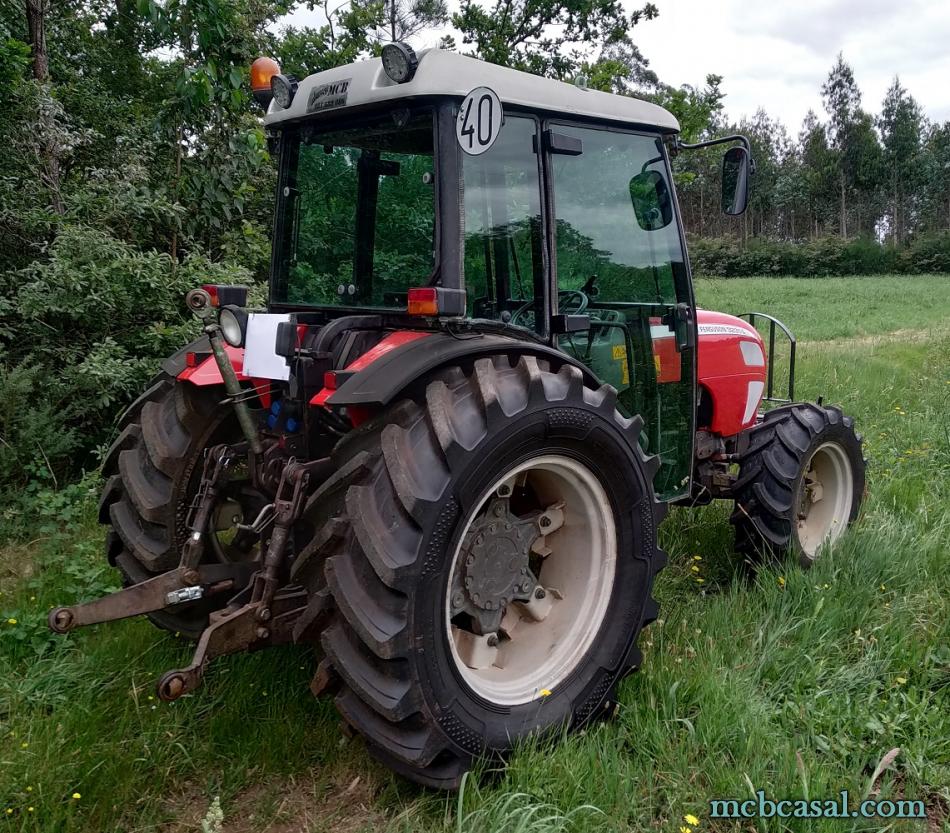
x,y
820,257
85,329
553,38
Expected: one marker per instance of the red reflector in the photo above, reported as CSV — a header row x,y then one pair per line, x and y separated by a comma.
x,y
329,380
191,359
423,300
212,290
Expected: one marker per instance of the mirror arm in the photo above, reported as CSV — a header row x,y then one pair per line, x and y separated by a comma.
x,y
722,140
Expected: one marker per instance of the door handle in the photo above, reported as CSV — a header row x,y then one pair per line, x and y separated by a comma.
x,y
683,327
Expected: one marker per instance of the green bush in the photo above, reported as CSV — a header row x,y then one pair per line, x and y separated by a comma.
x,y
822,257
81,333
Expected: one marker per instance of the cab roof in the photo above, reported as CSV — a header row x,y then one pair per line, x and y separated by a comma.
x,y
443,73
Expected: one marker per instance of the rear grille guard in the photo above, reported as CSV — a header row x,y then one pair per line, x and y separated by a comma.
x,y
774,324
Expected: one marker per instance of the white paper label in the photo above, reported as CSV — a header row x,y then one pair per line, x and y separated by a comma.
x,y
260,360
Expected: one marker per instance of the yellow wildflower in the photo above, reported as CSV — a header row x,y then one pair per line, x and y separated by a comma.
x,y
29,809
902,680
700,580
694,568
11,621
24,745
781,581
697,558
545,692
29,789
689,818
76,796
684,829
9,811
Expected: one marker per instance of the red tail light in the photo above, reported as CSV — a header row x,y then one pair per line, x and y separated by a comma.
x,y
423,301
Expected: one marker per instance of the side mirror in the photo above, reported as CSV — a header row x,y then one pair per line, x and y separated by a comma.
x,y
736,170
652,202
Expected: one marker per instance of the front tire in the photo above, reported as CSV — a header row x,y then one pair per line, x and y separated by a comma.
x,y
800,483
482,456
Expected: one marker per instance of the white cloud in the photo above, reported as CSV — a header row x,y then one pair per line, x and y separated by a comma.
x,y
777,55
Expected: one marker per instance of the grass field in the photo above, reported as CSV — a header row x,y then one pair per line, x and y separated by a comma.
x,y
796,683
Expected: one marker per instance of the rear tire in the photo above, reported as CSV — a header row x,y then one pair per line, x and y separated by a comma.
x,y
800,484
151,473
408,486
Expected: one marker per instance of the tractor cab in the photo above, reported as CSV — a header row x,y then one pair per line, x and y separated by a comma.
x,y
532,207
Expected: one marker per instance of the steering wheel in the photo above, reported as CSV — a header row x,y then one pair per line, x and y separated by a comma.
x,y
564,297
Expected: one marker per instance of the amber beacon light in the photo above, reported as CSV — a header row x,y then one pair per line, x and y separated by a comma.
x,y
262,70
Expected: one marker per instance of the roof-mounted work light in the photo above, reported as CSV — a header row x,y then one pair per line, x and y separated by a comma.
x,y
399,62
284,88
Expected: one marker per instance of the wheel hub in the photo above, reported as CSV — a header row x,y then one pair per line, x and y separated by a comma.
x,y
495,565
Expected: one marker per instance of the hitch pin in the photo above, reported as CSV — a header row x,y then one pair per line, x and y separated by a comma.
x,y
185,594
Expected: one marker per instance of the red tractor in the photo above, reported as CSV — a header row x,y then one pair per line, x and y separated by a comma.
x,y
443,451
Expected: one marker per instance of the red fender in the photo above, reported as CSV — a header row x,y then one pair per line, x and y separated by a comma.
x,y
205,372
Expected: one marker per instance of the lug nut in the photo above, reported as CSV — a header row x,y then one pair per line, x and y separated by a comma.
x,y
458,600
263,633
263,615
539,593
545,521
492,640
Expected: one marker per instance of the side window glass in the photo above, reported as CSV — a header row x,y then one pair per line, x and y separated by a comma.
x,y
502,221
615,229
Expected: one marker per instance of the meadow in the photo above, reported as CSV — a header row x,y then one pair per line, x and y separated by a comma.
x,y
794,682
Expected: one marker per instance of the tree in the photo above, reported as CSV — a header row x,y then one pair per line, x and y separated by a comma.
x,y
902,129
554,38
935,167
404,19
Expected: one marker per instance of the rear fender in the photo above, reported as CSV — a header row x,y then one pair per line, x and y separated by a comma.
x,y
372,382
205,371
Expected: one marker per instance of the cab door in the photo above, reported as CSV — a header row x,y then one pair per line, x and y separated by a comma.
x,y
619,258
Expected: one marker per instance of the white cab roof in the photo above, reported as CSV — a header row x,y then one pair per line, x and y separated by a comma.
x,y
443,73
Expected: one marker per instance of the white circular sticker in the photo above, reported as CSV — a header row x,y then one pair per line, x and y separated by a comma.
x,y
479,121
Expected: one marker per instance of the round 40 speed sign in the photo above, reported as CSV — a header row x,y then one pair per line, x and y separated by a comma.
x,y
479,121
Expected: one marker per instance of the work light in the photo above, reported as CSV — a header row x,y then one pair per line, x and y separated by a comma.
x,y
284,88
233,323
399,62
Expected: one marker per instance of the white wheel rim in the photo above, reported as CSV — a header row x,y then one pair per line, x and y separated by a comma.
x,y
580,568
825,498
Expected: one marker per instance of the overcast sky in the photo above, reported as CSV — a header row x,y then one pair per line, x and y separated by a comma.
x,y
777,54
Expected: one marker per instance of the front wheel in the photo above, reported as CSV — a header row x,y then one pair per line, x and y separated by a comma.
x,y
800,483
491,566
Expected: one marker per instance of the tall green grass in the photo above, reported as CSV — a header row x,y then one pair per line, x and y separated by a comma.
x,y
793,682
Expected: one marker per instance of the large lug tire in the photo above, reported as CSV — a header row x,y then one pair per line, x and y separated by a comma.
x,y
151,474
800,484
413,491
